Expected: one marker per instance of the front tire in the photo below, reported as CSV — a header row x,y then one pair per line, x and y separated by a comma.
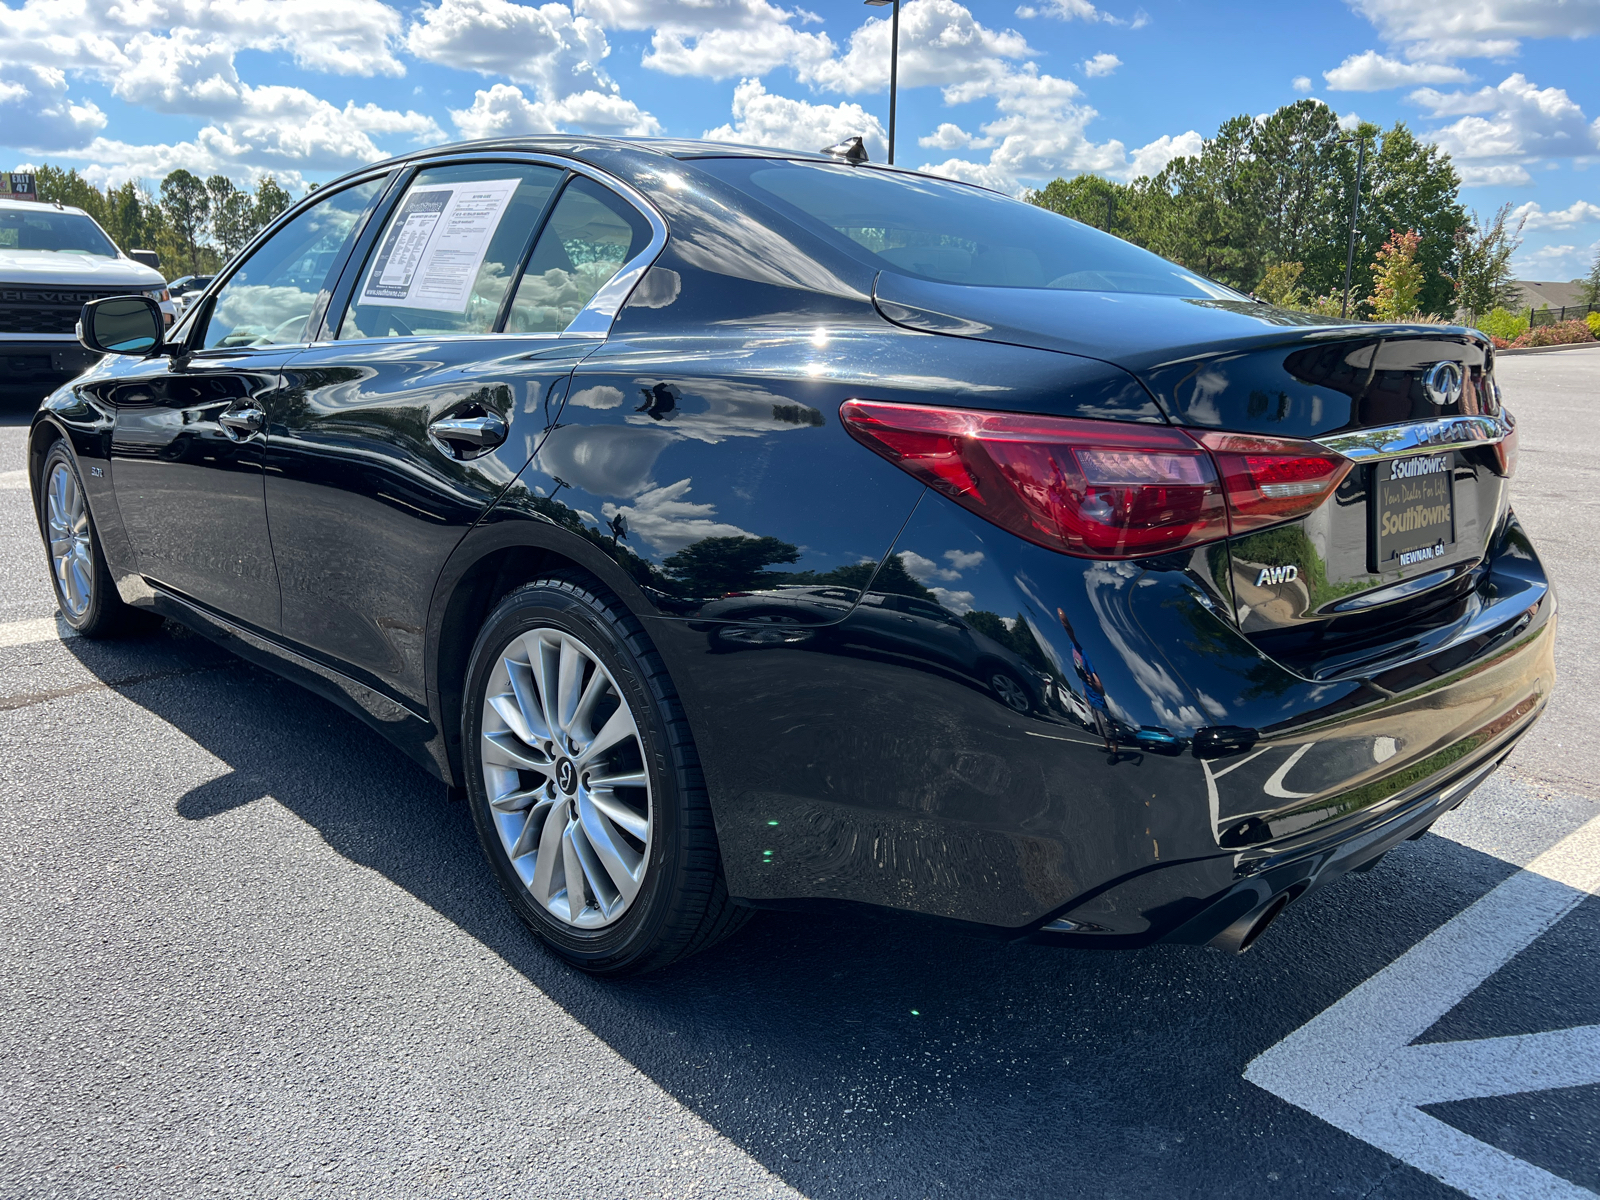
x,y
86,595
584,784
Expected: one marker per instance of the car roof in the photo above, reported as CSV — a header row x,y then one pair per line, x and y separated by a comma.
x,y
606,151
38,206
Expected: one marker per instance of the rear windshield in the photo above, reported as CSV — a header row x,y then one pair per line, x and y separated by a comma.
x,y
954,233
49,229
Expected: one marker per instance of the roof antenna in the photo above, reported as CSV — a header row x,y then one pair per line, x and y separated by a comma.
x,y
851,150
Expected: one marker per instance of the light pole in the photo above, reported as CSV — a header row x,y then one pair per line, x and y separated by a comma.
x,y
894,62
1355,208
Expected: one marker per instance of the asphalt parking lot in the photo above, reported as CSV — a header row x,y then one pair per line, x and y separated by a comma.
x,y
248,949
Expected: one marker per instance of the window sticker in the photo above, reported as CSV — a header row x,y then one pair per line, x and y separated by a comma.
x,y
436,244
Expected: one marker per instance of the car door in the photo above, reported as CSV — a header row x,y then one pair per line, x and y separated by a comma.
x,y
414,411
187,444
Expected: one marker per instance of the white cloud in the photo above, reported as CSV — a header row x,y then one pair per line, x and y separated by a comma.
x,y
715,39
963,560
701,16
724,53
925,570
178,56
761,118
1556,262
1477,28
959,603
1301,83
952,137
503,111
1373,72
1455,104
1081,10
547,46
1527,123
1579,212
1152,158
353,37
941,44
35,107
662,517
1101,64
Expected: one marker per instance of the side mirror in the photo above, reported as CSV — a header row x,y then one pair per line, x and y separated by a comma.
x,y
148,258
122,325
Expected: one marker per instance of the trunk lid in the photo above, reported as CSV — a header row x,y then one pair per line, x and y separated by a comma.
x,y
1395,558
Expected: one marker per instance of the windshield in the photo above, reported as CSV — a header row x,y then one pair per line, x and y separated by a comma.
x,y
954,233
50,229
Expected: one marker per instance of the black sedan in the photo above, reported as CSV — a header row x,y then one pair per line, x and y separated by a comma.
x,y
743,528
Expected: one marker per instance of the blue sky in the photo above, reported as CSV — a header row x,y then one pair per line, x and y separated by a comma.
x,y
1006,95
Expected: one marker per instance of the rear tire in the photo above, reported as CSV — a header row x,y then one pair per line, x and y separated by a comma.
x,y
86,595
581,770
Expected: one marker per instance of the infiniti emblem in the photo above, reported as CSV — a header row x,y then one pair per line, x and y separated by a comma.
x,y
1443,383
567,776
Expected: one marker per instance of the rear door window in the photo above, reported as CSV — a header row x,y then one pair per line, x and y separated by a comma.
x,y
450,250
589,236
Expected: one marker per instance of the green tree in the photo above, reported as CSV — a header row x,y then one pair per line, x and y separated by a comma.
x,y
714,566
1396,278
1414,187
187,205
1482,275
1281,285
271,201
233,215
1591,282
1265,193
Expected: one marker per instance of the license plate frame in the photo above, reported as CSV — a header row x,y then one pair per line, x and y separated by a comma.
x,y
1417,495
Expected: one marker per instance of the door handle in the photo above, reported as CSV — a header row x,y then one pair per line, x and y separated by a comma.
x,y
475,434
242,422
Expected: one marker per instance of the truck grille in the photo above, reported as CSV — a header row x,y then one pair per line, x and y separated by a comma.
x,y
38,310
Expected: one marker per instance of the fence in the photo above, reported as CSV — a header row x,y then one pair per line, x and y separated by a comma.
x,y
1554,316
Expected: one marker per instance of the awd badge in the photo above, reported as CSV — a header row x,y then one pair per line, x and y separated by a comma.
x,y
1277,575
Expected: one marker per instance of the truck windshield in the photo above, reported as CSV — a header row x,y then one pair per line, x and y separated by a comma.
x,y
953,233
50,229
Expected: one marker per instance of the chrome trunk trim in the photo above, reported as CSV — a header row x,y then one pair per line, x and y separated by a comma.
x,y
1396,441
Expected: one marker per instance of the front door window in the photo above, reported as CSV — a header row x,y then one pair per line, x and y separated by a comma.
x,y
269,300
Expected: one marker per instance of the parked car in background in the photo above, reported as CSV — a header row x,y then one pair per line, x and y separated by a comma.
x,y
54,260
188,288
740,527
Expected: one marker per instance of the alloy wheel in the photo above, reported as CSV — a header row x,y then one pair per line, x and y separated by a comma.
x,y
71,555
564,771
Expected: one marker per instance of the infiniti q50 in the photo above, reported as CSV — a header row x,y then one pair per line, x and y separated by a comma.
x,y
741,528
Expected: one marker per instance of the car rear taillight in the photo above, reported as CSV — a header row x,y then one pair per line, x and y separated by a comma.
x,y
1097,489
1505,450
1272,480
1100,489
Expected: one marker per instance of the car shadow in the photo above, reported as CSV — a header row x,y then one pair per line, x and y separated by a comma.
x,y
877,1055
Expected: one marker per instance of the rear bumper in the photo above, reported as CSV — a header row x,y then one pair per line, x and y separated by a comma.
x,y
1193,779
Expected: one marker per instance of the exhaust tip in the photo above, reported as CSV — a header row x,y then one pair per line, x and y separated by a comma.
x,y
1242,934
1266,918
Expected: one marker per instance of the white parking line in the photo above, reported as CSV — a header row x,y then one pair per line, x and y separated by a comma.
x,y
42,629
1354,1066
13,479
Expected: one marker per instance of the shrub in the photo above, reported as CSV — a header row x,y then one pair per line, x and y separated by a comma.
x,y
1281,285
1502,324
1593,322
1396,277
1563,333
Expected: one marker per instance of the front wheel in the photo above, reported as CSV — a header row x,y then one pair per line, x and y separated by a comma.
x,y
584,784
85,593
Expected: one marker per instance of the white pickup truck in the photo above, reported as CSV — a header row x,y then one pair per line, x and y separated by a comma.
x,y
53,260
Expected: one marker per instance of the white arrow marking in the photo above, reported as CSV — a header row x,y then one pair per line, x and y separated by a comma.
x,y
1354,1066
